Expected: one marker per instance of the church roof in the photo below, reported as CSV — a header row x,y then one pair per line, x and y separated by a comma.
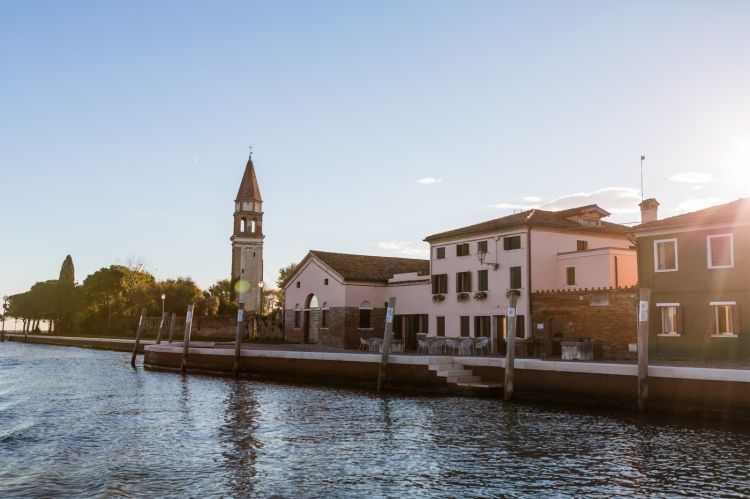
x,y
371,268
249,190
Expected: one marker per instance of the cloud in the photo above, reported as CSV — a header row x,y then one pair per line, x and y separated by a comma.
x,y
692,178
429,180
694,204
404,248
195,158
612,199
531,199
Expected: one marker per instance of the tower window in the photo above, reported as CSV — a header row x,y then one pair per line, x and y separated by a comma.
x,y
252,226
243,224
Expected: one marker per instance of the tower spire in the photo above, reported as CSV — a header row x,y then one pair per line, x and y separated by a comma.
x,y
249,189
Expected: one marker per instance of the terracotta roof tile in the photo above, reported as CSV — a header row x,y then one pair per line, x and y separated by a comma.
x,y
736,211
371,268
535,218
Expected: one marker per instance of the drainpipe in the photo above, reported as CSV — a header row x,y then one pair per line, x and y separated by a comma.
x,y
617,280
528,275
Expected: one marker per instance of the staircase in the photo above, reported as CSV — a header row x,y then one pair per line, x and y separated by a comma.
x,y
456,374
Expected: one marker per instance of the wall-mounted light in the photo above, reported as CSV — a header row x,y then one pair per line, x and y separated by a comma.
x,y
482,256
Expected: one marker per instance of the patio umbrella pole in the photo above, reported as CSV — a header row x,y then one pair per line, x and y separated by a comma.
x,y
383,371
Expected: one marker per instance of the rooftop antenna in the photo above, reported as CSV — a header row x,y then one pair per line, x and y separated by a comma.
x,y
642,159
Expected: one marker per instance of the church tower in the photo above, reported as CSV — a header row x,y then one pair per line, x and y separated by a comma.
x,y
247,242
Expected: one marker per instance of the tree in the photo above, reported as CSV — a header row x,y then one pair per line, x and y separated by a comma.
x,y
284,273
67,271
222,291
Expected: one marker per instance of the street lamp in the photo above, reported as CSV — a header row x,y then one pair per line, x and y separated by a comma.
x,y
163,297
482,255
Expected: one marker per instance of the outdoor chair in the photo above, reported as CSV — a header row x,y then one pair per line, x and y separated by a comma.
x,y
422,346
451,345
464,347
364,345
482,345
438,345
374,344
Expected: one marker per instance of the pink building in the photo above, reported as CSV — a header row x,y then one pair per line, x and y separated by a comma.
x,y
470,271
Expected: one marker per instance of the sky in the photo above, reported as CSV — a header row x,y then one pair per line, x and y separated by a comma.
x,y
125,126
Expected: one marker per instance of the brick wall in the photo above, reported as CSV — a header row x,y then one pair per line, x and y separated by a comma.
x,y
343,327
608,317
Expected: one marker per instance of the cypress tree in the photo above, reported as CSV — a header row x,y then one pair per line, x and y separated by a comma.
x,y
67,271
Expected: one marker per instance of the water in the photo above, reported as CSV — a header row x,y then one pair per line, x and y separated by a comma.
x,y
78,423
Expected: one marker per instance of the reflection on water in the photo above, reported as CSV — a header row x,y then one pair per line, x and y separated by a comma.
x,y
77,422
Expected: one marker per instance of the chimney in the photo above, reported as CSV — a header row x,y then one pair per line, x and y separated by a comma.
x,y
649,210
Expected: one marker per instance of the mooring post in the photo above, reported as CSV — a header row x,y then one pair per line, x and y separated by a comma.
x,y
383,371
238,342
171,326
161,327
643,309
510,335
186,338
138,337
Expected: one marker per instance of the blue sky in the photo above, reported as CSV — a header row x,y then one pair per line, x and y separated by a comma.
x,y
125,125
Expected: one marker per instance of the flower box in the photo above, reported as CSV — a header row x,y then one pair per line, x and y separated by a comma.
x,y
480,295
438,297
462,296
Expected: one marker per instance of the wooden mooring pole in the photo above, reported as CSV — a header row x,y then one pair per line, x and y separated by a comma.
x,y
510,351
171,326
138,337
383,371
238,342
161,327
186,338
643,309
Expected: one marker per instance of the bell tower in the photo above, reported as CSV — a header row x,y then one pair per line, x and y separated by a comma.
x,y
247,242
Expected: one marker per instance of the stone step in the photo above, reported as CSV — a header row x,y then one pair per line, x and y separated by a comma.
x,y
444,367
463,379
440,360
455,372
480,384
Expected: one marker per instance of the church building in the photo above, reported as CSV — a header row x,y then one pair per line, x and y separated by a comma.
x,y
247,242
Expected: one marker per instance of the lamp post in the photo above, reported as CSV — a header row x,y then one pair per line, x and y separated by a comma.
x,y
261,285
5,313
163,297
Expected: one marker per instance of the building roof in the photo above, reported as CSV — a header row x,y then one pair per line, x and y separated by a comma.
x,y
537,218
371,268
729,213
249,190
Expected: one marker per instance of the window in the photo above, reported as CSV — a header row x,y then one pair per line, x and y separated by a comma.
x,y
512,242
324,317
570,276
297,317
462,249
725,318
439,284
520,326
482,281
298,284
465,325
670,319
582,245
253,223
515,278
463,282
325,282
365,318
720,251
482,247
665,255
243,224
440,253
440,326
482,325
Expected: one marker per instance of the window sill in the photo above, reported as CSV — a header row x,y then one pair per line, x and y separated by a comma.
x,y
365,329
723,336
666,270
710,267
669,335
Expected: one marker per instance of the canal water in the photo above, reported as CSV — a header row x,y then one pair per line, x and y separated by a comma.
x,y
81,423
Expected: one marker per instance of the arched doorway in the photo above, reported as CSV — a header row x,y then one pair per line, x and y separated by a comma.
x,y
312,319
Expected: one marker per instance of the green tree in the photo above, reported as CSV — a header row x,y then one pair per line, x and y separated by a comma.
x,y
222,291
284,273
67,271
